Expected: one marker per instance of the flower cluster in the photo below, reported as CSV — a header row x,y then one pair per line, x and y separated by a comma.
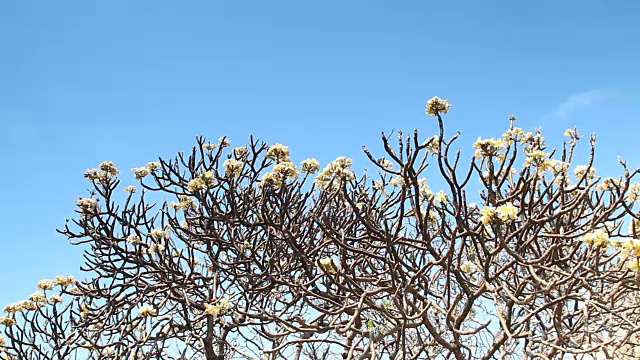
x,y
7,321
599,237
633,194
468,267
436,105
240,151
337,169
279,153
130,189
513,134
584,170
87,205
65,280
310,166
224,141
147,310
46,284
217,308
232,167
202,182
143,171
286,169
184,202
159,234
104,173
487,147
432,144
503,214
327,265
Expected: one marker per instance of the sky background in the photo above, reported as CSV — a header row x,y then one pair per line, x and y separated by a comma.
x,y
86,81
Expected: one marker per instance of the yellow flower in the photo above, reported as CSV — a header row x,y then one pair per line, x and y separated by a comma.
x,y
147,310
507,212
468,267
3,342
488,213
441,197
436,105
597,238
513,134
211,309
328,265
634,265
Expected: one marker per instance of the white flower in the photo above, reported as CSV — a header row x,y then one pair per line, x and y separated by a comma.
x,y
310,166
130,189
278,152
232,167
468,267
436,105
147,310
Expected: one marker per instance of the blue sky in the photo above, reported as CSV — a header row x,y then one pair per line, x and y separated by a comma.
x,y
85,81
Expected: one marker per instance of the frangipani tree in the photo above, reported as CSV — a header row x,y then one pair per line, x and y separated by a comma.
x,y
240,253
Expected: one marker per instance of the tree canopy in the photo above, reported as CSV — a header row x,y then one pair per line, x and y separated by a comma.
x,y
239,253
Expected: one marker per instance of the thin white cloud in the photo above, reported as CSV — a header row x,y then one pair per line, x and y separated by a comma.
x,y
579,100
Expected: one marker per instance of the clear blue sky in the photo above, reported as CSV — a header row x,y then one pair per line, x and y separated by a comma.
x,y
85,81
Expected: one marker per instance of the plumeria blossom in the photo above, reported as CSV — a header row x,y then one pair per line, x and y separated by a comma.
x,y
278,152
597,238
504,214
488,147
147,310
584,170
310,166
436,105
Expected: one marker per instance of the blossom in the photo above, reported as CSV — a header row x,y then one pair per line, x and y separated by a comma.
x,y
397,181
7,321
436,105
159,234
278,152
65,280
108,353
209,146
328,265
38,298
337,169
212,309
93,174
3,342
240,151
488,213
87,204
507,212
232,167
440,197
286,169
140,172
224,142
468,267
46,284
432,144
55,299
109,168
184,202
633,194
155,248
597,238
310,166
634,265
582,170
538,158
513,134
201,182
130,189
272,178
147,310
425,190
487,147
133,239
